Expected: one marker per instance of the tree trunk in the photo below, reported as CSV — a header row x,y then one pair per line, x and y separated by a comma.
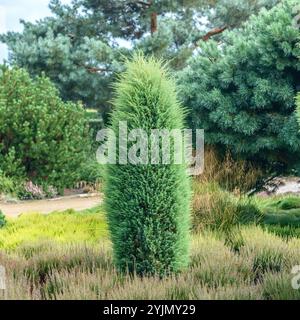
x,y
153,22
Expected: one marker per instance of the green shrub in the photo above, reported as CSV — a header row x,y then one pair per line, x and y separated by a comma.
x,y
289,203
43,139
91,171
249,211
282,217
148,205
7,185
283,211
2,220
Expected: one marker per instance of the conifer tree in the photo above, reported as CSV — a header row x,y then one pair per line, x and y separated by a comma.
x,y
242,93
148,204
80,47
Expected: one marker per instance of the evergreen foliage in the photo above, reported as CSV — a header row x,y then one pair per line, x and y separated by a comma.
x,y
42,138
242,91
147,204
80,47
298,108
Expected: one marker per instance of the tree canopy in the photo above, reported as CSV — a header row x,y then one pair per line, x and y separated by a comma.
x,y
82,46
242,93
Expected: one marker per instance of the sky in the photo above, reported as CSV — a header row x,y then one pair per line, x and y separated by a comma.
x,y
11,11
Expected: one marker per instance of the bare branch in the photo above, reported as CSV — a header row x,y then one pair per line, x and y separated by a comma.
x,y
210,34
145,4
93,69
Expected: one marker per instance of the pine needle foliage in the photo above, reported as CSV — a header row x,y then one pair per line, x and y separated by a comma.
x,y
42,138
242,92
148,205
298,108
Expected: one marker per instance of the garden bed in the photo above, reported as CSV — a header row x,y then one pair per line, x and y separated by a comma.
x,y
69,256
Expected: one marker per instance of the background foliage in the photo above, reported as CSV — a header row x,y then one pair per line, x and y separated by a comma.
x,y
42,138
242,92
82,46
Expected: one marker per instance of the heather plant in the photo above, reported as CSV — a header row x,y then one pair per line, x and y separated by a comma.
x,y
148,204
73,268
32,191
35,229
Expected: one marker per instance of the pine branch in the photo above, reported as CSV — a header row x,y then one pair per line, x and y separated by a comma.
x,y
210,34
145,4
93,69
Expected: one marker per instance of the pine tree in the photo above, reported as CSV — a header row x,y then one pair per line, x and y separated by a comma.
x,y
42,138
79,47
242,92
148,204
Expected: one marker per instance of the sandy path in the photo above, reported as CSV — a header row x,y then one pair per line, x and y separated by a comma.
x,y
47,206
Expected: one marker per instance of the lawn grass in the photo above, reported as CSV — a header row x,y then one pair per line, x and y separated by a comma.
x,y
68,256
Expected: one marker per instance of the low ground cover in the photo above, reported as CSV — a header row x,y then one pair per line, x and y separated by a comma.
x,y
68,256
